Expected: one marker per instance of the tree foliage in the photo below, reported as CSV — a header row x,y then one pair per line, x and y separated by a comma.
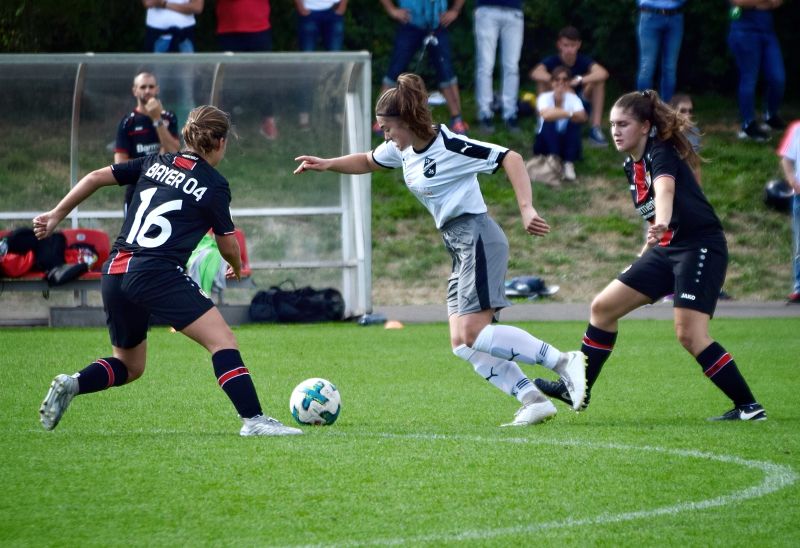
x,y
608,28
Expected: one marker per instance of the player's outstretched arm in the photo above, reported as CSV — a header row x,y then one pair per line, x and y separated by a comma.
x,y
354,164
45,224
521,182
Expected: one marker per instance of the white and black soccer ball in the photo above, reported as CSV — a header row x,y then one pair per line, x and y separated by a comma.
x,y
315,401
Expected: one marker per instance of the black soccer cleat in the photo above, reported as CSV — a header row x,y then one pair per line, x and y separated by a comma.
x,y
558,390
748,412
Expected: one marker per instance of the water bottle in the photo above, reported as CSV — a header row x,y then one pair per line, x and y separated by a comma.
x,y
372,319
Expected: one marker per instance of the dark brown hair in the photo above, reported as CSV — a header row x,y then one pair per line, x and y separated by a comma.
x,y
669,125
205,126
409,102
570,33
561,69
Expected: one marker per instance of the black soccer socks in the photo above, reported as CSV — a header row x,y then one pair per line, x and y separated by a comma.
x,y
234,378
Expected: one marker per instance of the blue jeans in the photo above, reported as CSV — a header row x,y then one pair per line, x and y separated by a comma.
x,y
325,24
754,51
796,241
407,41
659,34
505,26
566,145
169,40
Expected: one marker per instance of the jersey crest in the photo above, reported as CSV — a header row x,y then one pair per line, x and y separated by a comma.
x,y
429,166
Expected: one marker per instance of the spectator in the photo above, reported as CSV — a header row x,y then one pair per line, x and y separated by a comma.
x,y
319,20
424,23
147,129
561,116
659,32
755,47
588,78
789,151
244,25
170,24
497,22
169,28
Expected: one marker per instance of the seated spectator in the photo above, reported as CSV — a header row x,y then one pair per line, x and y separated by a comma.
x,y
588,78
561,117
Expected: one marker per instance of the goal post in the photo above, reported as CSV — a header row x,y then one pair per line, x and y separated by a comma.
x,y
64,110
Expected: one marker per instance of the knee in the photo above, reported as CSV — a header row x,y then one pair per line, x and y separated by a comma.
x,y
690,339
600,308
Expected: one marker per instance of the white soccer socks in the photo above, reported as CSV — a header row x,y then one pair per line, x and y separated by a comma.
x,y
512,343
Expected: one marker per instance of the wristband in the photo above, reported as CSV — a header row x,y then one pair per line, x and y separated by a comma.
x,y
158,123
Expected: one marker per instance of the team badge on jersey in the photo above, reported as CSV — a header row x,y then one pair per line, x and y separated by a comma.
x,y
430,167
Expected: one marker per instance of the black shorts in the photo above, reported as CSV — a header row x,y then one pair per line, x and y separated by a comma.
x,y
694,272
130,299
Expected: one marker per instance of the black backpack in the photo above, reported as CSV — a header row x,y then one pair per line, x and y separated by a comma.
x,y
302,305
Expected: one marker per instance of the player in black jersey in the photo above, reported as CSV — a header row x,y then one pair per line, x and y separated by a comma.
x,y
177,198
685,254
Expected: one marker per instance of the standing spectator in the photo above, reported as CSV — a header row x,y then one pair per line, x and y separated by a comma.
x,y
441,169
147,129
497,22
319,20
755,47
244,25
561,117
423,23
660,32
169,28
685,253
588,79
789,151
170,25
144,275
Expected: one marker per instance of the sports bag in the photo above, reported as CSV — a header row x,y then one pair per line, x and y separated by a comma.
x,y
302,305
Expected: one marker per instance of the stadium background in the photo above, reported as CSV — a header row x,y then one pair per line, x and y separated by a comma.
x,y
53,26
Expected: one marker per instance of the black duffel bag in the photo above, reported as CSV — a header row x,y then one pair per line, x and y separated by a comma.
x,y
302,305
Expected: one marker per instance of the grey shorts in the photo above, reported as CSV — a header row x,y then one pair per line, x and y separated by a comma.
x,y
479,250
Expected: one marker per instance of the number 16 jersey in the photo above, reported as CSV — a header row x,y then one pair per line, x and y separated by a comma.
x,y
177,198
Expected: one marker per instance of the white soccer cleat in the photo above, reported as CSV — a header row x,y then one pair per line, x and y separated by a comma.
x,y
533,413
261,425
62,390
573,373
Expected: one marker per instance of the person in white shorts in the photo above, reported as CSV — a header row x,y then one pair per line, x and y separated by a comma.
x,y
440,167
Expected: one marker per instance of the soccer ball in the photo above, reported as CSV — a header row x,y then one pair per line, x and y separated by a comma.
x,y
315,401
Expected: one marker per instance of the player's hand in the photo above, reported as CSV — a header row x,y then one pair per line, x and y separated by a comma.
x,y
153,108
655,232
311,162
534,224
45,224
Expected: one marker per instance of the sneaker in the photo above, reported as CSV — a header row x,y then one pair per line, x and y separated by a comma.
x,y
749,412
753,132
268,129
569,171
533,413
459,126
557,390
261,425
794,298
62,390
775,122
512,124
596,137
485,125
572,368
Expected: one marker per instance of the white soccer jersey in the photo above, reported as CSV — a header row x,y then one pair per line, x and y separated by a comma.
x,y
444,176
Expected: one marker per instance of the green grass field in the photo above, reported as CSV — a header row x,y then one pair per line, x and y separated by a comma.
x,y
416,457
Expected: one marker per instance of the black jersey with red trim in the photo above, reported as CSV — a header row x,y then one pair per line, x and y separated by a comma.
x,y
177,199
692,214
137,137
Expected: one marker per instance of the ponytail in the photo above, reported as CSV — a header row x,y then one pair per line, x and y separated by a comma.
x,y
408,100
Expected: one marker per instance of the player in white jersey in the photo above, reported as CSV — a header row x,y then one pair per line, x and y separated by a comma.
x,y
441,168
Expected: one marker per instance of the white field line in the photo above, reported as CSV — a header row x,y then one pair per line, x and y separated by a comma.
x,y
776,477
